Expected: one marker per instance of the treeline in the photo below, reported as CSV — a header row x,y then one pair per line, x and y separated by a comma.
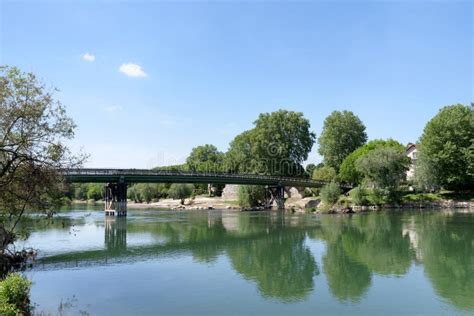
x,y
280,142
140,192
378,168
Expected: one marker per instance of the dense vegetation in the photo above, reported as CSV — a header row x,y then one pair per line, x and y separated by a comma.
x,y
34,130
14,295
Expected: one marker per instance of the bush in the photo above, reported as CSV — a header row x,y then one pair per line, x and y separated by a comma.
x,y
358,196
14,295
343,201
250,195
330,193
180,191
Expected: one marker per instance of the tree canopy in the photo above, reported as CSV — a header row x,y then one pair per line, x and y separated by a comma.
x,y
278,145
34,129
447,147
348,171
343,132
205,158
383,167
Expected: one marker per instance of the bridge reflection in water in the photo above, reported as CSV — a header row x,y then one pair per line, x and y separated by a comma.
x,y
272,249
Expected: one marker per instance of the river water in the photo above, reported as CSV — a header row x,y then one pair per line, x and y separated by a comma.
x,y
253,263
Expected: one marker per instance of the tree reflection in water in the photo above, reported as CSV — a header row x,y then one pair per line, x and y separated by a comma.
x,y
271,249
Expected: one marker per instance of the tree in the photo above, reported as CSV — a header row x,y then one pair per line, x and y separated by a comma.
x,y
348,171
205,158
34,129
95,192
330,193
310,169
384,168
180,191
324,173
250,195
278,145
239,158
343,132
447,147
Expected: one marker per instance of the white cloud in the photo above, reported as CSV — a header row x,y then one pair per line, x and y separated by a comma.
x,y
88,57
113,108
132,70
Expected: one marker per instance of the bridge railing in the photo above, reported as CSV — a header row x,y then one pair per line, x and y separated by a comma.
x,y
148,172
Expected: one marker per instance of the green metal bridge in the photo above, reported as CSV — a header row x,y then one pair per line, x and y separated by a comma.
x,y
117,180
160,176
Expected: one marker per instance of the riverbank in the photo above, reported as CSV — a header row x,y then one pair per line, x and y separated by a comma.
x,y
308,204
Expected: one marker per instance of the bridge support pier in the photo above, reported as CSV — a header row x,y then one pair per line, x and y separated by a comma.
x,y
275,194
116,199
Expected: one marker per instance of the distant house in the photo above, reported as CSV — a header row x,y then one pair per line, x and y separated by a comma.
x,y
411,152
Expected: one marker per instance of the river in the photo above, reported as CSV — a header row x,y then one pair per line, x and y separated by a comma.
x,y
252,263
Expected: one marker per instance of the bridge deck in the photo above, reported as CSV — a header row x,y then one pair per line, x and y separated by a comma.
x,y
162,176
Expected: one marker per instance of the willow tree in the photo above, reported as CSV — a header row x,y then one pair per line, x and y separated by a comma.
x,y
34,129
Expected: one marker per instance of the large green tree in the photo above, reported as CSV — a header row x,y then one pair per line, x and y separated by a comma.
x,y
384,168
447,147
278,145
206,158
348,171
34,129
343,132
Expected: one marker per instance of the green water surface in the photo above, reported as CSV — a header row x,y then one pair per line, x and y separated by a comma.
x,y
260,263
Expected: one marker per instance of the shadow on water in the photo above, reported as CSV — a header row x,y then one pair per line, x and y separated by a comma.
x,y
271,249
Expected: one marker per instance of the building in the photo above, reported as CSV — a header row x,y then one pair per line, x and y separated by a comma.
x,y
411,152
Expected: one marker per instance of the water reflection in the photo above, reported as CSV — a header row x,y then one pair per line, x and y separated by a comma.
x,y
115,234
271,249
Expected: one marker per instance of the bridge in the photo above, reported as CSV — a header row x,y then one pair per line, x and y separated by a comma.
x,y
117,180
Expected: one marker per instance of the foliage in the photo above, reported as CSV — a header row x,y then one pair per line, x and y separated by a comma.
x,y
182,167
348,172
310,169
205,158
180,191
324,173
378,196
239,159
95,192
146,192
384,168
447,146
358,195
80,191
278,145
330,193
14,295
250,195
34,130
424,177
343,132
417,197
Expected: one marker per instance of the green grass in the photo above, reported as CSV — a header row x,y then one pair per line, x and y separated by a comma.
x,y
422,197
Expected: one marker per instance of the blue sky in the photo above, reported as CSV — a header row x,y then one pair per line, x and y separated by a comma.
x,y
201,72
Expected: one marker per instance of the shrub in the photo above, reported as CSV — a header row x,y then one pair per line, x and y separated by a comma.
x,y
358,196
14,295
250,195
330,193
343,201
180,191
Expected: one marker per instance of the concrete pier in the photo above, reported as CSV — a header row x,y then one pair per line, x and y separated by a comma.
x,y
116,199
